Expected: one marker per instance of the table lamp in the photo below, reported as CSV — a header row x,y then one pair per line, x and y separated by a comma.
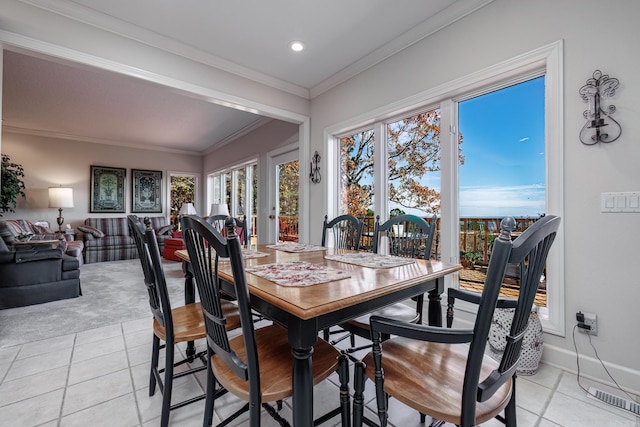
x,y
188,209
219,209
60,197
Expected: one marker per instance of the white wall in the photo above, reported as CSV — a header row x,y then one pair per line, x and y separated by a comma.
x,y
49,162
600,249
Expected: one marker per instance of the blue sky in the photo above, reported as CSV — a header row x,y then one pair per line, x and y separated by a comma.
x,y
503,146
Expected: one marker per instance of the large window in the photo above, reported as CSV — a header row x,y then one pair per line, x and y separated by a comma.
x,y
491,147
237,188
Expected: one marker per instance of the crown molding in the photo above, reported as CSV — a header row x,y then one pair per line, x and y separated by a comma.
x,y
444,18
242,132
80,138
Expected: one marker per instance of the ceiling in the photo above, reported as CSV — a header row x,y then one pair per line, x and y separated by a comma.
x,y
342,38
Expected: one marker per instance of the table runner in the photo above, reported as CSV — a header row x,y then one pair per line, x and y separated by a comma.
x,y
296,247
297,273
368,259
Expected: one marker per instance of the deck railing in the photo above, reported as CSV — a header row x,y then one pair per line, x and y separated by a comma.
x,y
476,234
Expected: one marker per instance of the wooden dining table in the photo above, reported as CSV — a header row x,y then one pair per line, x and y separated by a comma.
x,y
307,310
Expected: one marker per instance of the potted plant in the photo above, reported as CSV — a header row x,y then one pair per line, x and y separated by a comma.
x,y
468,259
12,185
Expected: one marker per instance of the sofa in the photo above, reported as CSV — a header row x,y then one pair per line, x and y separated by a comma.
x,y
12,228
109,239
35,274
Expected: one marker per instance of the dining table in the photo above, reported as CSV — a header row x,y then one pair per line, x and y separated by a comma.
x,y
306,306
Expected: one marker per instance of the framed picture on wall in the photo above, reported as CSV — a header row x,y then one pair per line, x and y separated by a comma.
x,y
107,189
146,191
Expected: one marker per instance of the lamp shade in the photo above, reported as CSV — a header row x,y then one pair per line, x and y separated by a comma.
x,y
188,209
60,197
219,209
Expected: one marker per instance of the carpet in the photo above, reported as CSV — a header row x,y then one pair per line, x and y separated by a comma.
x,y
112,292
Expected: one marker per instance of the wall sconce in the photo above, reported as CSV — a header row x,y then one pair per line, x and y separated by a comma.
x,y
598,115
314,175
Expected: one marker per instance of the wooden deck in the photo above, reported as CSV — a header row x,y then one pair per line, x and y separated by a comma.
x,y
473,280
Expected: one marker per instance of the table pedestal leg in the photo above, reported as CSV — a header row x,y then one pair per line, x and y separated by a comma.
x,y
435,309
302,387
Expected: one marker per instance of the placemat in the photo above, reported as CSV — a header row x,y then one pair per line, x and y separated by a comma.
x,y
367,259
296,247
297,273
248,254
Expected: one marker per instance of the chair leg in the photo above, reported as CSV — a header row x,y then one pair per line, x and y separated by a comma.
x,y
154,364
358,398
382,399
510,410
343,375
168,384
211,392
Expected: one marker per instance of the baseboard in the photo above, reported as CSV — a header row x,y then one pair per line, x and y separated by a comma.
x,y
590,367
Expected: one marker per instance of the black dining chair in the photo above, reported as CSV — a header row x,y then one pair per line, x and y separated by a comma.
x,y
444,372
407,236
171,325
255,366
346,230
241,226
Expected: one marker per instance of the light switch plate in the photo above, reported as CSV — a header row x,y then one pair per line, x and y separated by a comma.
x,y
620,202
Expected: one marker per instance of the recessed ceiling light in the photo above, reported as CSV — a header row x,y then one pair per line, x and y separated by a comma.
x,y
296,46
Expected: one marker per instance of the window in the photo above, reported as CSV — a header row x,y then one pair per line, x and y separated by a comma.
x,y
425,169
237,188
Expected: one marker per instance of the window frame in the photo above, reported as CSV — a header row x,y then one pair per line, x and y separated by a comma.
x,y
547,60
216,188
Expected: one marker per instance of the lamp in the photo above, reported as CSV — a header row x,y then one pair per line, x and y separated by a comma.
x,y
314,174
219,209
188,209
598,115
60,197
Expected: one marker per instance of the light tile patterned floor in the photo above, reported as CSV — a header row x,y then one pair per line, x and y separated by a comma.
x,y
100,378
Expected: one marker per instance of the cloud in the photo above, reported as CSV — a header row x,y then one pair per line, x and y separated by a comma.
x,y
524,139
520,201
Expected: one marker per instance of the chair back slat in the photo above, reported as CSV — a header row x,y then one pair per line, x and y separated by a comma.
x,y
156,285
205,246
529,252
408,236
346,229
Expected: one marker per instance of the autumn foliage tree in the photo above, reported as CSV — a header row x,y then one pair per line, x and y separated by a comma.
x,y
413,150
289,177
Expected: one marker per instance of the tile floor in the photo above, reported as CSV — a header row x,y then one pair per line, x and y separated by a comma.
x,y
100,378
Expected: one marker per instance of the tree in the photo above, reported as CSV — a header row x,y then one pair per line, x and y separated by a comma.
x,y
12,185
289,177
413,150
182,191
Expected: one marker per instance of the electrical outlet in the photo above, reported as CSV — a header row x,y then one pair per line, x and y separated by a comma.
x,y
587,322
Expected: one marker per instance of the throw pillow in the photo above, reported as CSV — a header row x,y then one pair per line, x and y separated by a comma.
x,y
40,229
91,230
167,229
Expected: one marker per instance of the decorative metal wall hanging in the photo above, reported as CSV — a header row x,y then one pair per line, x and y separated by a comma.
x,y
314,175
600,126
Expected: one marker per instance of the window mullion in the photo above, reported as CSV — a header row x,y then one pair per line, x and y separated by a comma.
x,y
381,178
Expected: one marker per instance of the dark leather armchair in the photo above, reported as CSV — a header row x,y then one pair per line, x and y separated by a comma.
x,y
34,274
